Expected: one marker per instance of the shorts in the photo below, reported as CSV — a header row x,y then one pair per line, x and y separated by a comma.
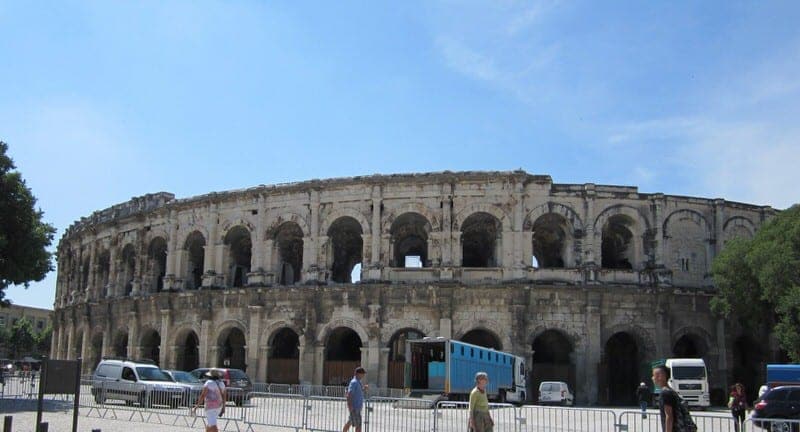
x,y
211,416
355,418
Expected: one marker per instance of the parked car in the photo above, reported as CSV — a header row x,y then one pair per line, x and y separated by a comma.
x,y
237,383
556,393
779,403
191,385
134,382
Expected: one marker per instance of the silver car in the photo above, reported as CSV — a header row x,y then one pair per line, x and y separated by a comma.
x,y
191,385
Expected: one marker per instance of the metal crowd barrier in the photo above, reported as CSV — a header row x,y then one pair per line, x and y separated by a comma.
x,y
632,421
536,418
454,417
393,414
277,410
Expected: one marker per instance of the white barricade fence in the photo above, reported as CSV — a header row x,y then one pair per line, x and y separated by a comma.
x,y
773,425
277,410
538,418
326,414
632,421
454,417
394,414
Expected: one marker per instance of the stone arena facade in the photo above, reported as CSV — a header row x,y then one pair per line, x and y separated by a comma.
x,y
588,282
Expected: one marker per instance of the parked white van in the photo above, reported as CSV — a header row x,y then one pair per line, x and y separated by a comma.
x,y
555,392
134,382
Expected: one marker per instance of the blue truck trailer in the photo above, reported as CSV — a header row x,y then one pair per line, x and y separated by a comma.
x,y
783,374
446,367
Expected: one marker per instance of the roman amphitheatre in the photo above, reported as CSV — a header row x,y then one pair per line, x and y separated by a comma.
x,y
299,282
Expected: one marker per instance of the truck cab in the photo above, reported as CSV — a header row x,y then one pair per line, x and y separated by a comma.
x,y
689,377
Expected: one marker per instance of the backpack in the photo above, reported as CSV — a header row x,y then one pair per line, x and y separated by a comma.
x,y
683,418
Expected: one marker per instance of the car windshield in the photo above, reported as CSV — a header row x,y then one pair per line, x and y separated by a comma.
x,y
185,377
688,372
237,374
152,374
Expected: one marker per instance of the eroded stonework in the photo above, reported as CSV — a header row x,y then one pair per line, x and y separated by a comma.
x,y
588,282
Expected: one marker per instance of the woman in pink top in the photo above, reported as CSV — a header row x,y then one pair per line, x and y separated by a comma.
x,y
213,395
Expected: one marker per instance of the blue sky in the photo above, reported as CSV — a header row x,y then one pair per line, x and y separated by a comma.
x,y
102,101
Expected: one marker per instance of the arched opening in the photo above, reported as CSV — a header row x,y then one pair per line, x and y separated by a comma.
x,y
410,240
128,268
157,263
617,249
689,346
194,248
480,241
397,355
289,248
550,241
342,356
96,353
284,357
151,346
231,349
482,338
188,354
240,248
623,370
552,360
104,271
121,345
748,364
346,248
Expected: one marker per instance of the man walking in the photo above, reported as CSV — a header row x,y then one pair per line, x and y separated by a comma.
x,y
355,400
668,402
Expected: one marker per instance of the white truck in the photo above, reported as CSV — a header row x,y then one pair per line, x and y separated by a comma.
x,y
689,377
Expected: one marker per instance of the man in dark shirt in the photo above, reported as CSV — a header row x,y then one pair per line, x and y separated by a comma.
x,y
668,402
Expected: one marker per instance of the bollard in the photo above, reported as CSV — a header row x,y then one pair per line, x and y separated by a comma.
x,y
7,423
43,426
96,430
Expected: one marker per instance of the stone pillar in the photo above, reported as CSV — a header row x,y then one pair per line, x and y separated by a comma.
x,y
272,271
113,282
383,376
658,235
588,359
71,341
86,343
318,363
134,350
105,350
447,226
263,364
209,260
311,270
719,228
306,362
445,328
172,271
91,287
54,341
204,348
163,359
254,330
375,264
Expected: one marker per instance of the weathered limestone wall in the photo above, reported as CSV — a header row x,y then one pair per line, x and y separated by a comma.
x,y
145,275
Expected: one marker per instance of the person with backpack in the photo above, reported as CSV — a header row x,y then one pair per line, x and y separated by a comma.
x,y
213,395
737,402
674,412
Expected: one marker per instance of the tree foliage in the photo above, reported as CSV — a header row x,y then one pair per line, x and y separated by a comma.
x,y
22,339
24,237
759,279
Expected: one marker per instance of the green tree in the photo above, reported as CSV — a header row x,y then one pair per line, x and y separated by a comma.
x,y
22,339
43,339
24,237
758,280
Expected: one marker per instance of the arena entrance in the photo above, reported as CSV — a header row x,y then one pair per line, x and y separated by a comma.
x,y
342,356
748,358
188,352
482,338
621,370
151,346
689,346
552,361
397,356
121,345
284,358
231,349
